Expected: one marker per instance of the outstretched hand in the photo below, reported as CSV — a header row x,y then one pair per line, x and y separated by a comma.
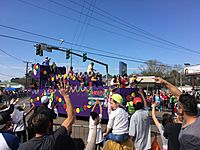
x,y
14,101
159,80
63,89
154,105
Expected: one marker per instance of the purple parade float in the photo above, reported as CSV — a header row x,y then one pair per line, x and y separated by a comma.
x,y
45,78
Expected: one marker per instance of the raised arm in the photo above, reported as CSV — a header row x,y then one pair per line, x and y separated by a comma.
x,y
154,115
91,144
93,108
69,108
174,90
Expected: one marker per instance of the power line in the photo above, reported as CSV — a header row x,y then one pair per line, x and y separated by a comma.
x,y
55,13
97,54
102,21
77,26
144,36
83,46
12,56
127,24
93,2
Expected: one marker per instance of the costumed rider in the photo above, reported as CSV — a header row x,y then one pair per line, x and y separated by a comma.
x,y
46,61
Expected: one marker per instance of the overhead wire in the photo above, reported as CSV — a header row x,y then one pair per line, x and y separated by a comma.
x,y
128,31
83,24
14,57
93,2
127,24
186,49
77,26
107,23
83,46
97,54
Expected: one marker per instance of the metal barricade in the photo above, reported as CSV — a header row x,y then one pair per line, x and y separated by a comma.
x,y
78,131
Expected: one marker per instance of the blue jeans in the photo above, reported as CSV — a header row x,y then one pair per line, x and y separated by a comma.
x,y
117,137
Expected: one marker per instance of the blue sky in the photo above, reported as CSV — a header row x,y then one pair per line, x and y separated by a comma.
x,y
173,20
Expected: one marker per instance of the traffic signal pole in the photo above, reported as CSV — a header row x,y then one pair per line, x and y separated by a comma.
x,y
49,48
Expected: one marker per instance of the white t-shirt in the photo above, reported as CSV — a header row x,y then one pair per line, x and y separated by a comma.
x,y
118,121
99,137
18,120
140,129
3,143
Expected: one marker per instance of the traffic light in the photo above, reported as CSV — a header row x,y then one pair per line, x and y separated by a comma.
x,y
84,57
39,51
68,54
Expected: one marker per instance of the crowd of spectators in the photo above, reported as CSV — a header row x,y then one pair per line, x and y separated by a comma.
x,y
178,130
6,95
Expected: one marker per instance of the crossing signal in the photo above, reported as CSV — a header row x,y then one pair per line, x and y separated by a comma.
x,y
39,51
84,57
68,54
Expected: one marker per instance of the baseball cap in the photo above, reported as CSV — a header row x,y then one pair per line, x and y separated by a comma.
x,y
44,99
118,98
4,118
137,100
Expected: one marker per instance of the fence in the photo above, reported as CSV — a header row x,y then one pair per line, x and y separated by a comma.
x,y
78,131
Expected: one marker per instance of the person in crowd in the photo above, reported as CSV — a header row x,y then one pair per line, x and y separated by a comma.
x,y
18,120
167,118
8,141
134,81
94,80
53,68
113,81
171,132
189,135
139,128
59,139
118,121
11,107
91,68
71,71
44,108
41,109
124,81
118,81
93,116
46,61
172,101
149,100
158,100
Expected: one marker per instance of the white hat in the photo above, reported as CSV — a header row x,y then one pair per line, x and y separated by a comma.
x,y
44,99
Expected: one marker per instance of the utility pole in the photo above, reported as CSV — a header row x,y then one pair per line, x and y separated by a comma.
x,y
26,72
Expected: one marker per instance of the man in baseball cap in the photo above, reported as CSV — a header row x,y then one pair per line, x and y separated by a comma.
x,y
139,128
